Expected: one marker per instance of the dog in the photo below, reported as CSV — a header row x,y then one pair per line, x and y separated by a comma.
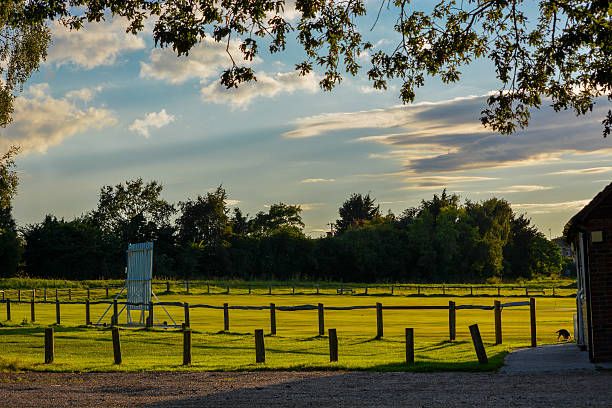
x,y
565,334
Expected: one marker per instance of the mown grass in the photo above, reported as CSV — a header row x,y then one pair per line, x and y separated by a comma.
x,y
296,345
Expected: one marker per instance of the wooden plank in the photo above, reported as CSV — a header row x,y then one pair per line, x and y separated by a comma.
x,y
409,346
116,345
49,345
532,318
478,345
498,324
333,345
260,349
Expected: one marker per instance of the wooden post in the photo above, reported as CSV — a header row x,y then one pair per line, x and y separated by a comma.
x,y
57,312
471,291
187,286
392,287
478,346
187,323
249,289
379,321
49,345
333,345
409,346
150,318
187,347
228,289
115,316
56,295
452,320
532,317
225,317
208,288
418,290
87,314
498,325
498,289
272,318
260,349
317,289
2,295
32,312
321,320
269,290
19,295
69,294
8,309
88,294
116,345
167,286
553,290
293,290
106,291
366,291
45,294
443,291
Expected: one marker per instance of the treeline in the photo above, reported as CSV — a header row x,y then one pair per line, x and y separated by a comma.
x,y
441,240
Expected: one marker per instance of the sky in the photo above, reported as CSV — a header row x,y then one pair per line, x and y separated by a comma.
x,y
107,107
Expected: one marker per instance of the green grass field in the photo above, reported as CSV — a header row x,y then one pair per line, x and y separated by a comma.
x,y
296,345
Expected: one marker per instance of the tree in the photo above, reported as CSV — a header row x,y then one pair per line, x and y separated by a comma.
x,y
10,243
9,179
23,44
562,54
279,216
204,219
355,211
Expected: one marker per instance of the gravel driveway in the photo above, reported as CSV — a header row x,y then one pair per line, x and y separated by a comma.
x,y
305,389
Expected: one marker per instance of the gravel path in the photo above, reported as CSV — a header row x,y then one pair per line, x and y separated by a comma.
x,y
305,389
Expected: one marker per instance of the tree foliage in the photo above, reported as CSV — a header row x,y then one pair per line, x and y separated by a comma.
x,y
561,52
204,219
355,211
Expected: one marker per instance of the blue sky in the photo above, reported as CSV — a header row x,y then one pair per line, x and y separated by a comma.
x,y
108,107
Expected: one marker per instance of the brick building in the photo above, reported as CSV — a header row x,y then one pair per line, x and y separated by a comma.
x,y
590,232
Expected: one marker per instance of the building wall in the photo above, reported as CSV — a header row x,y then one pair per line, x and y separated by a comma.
x,y
600,273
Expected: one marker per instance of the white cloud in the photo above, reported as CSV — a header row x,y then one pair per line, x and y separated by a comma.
x,y
266,86
592,170
545,208
84,94
41,121
232,202
440,182
318,180
153,120
94,45
520,189
310,206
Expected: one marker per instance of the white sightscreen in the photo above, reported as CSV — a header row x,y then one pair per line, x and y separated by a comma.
x,y
139,276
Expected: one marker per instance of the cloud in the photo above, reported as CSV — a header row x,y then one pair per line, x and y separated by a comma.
x,y
41,121
440,182
266,86
310,206
520,189
318,180
232,202
592,170
153,120
94,45
551,207
84,94
448,136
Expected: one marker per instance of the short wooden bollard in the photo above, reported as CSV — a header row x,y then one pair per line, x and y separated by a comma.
x,y
532,317
19,295
409,346
45,294
526,292
106,291
115,316
187,286
418,290
333,345
260,349
8,309
366,291
32,312
553,290
443,291
228,288
272,318
392,288
57,312
478,346
116,345
317,290
187,323
249,289
225,317
379,321
207,288
498,326
167,286
452,320
471,291
56,295
293,290
49,345
87,314
498,290
88,294
321,320
187,347
269,290
69,294
150,317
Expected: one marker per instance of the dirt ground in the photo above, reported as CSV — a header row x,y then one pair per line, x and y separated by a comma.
x,y
305,389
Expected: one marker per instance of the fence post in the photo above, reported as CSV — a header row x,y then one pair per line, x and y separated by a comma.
x,y
187,347
452,320
225,317
114,317
19,295
366,291
471,291
187,286
409,346
106,291
228,289
88,294
69,294
249,289
532,317
379,321
116,345
167,286
321,320
333,345
208,288
260,349
150,317
418,290
269,290
317,289
293,289
45,294
392,287
186,306
49,346
87,314
553,289
498,324
32,312
443,291
478,346
272,318
57,312
498,289
56,295
8,309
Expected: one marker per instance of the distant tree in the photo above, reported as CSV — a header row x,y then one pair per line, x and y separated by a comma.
x,y
279,216
240,222
204,219
10,243
436,204
355,211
